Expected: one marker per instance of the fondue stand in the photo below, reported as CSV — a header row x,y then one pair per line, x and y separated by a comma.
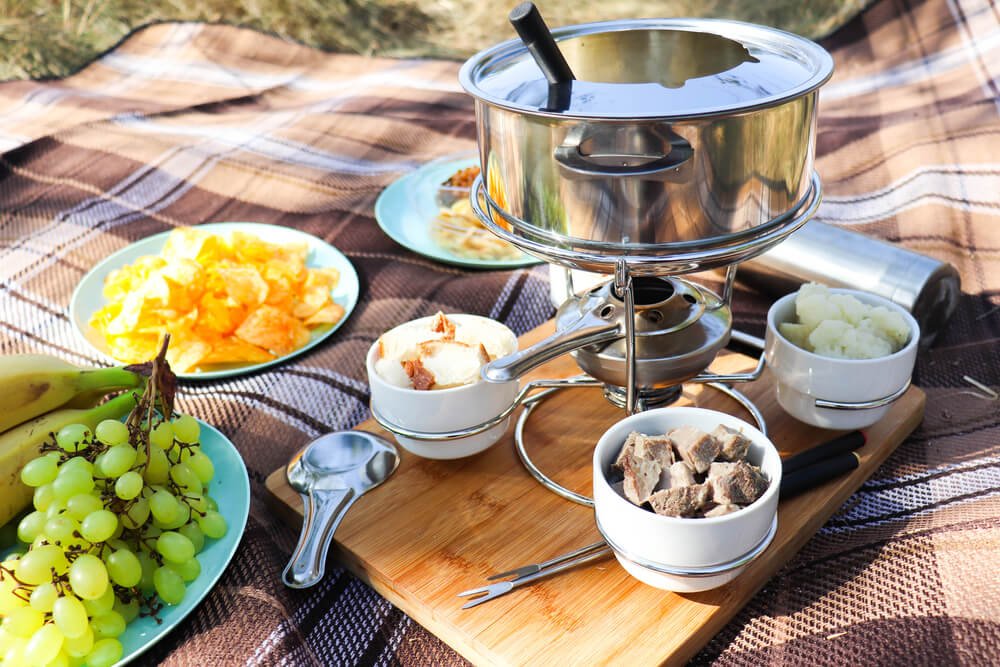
x,y
656,148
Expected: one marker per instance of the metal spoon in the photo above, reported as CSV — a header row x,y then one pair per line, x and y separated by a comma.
x,y
330,473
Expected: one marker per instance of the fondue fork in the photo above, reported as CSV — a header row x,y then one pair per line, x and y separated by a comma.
x,y
525,570
565,562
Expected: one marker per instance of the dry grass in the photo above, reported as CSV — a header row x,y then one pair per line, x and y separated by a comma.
x,y
44,38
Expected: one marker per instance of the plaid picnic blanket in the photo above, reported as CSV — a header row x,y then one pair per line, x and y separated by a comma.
x,y
190,123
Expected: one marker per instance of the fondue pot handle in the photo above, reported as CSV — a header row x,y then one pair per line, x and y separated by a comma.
x,y
622,151
595,326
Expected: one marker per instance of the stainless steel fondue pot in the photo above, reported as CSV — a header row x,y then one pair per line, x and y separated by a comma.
x,y
690,139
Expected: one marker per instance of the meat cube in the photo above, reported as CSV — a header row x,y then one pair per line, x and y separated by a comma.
x,y
678,474
695,447
722,510
641,477
680,500
740,486
655,448
626,451
733,444
720,469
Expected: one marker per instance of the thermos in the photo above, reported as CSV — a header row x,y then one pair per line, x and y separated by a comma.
x,y
928,288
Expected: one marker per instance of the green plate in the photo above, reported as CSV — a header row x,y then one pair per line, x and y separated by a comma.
x,y
231,490
88,297
406,209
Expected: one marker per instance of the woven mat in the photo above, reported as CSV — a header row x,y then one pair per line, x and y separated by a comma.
x,y
185,123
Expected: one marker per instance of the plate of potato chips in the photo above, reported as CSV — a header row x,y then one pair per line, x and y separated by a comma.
x,y
235,297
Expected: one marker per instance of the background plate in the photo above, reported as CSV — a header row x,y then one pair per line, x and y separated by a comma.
x,y
231,490
88,296
406,209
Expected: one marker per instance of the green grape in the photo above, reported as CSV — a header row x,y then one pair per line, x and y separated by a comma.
x,y
100,605
82,504
88,577
157,469
9,602
71,481
55,509
202,466
43,497
105,653
182,517
185,478
44,645
189,569
44,596
149,566
23,621
162,436
128,610
197,502
116,461
164,506
187,428
31,526
193,533
78,647
73,437
36,566
60,528
112,432
77,462
70,616
99,525
108,624
128,485
124,568
169,585
211,504
174,547
136,515
39,471
212,524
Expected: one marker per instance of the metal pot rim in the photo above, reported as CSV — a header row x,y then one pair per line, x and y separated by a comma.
x,y
778,41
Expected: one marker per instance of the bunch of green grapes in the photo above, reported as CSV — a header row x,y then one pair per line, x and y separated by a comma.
x,y
119,517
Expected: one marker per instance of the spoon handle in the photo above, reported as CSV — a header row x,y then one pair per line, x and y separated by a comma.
x,y
322,513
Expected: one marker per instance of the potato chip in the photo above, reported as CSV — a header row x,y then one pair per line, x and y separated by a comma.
x,y
274,330
223,300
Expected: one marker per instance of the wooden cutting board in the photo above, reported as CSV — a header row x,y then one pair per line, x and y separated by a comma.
x,y
439,527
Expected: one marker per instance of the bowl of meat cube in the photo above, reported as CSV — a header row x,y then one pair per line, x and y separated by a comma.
x,y
686,497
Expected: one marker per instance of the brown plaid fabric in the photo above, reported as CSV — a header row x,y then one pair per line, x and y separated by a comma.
x,y
190,123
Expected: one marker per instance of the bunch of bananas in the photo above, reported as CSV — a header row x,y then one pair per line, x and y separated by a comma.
x,y
40,394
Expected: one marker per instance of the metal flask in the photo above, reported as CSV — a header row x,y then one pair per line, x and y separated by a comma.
x,y
927,287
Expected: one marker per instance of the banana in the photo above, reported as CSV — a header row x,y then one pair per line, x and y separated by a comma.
x,y
33,384
22,443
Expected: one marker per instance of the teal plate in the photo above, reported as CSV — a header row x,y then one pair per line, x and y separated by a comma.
x,y
88,297
406,209
231,490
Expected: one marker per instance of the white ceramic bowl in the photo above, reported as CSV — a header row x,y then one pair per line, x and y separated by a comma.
x,y
801,376
683,544
443,410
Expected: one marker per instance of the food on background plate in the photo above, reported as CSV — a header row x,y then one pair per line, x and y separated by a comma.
x,y
688,472
439,353
841,326
456,227
223,299
120,513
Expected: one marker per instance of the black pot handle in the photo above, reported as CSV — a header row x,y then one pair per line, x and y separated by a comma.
x,y
614,164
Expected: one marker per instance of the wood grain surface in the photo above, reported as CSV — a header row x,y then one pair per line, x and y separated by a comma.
x,y
439,527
